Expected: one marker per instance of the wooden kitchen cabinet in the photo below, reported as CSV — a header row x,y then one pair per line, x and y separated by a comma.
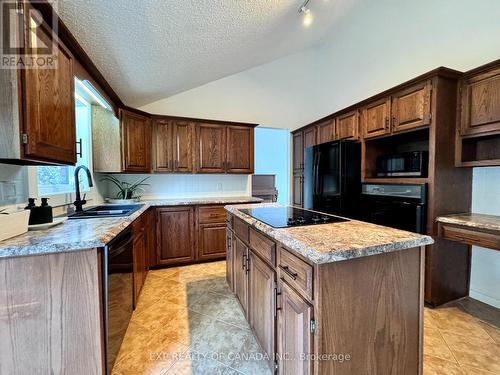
x,y
49,132
298,152
136,142
479,101
239,149
211,241
347,126
176,241
325,131
294,336
240,253
229,258
411,107
376,118
310,137
261,307
210,148
298,190
173,145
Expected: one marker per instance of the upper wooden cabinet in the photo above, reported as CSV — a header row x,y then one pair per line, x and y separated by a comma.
x,y
224,148
136,142
240,149
310,137
298,152
325,131
479,103
37,104
210,148
411,107
347,126
376,118
173,141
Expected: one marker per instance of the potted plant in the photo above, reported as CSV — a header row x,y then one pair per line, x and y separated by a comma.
x,y
127,192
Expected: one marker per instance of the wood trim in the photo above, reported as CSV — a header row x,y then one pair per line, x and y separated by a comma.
x,y
469,235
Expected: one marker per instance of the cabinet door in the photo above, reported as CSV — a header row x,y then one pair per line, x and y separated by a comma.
x,y
294,332
151,254
411,107
310,137
325,131
298,190
139,264
49,103
229,258
182,149
210,148
211,241
261,302
298,152
376,118
240,252
175,235
239,149
136,132
480,103
163,146
347,126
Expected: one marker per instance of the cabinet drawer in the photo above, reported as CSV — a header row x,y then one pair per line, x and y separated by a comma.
x,y
263,246
296,272
211,214
470,237
241,229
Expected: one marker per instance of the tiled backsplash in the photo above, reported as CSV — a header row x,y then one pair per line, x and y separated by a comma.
x,y
183,186
13,184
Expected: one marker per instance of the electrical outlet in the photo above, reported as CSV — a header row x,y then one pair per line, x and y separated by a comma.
x,y
219,186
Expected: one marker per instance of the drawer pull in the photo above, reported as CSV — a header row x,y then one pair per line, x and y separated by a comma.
x,y
289,272
243,262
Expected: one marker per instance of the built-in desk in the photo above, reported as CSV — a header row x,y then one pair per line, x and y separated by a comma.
x,y
471,229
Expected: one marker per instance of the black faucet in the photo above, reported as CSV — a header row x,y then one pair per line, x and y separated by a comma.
x,y
78,201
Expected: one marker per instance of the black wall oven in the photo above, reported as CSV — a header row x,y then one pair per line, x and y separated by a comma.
x,y
401,206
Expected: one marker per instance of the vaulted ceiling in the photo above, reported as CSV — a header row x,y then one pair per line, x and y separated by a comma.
x,y
152,49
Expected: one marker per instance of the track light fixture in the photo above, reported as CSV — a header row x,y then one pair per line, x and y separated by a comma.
x,y
306,11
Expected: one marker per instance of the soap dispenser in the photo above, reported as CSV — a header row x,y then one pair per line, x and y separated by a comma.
x,y
31,207
46,212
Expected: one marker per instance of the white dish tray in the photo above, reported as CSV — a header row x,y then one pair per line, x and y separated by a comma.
x,y
57,221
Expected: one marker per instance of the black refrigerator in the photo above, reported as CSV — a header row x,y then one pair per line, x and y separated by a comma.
x,y
332,178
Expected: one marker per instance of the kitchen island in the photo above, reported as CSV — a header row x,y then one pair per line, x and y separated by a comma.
x,y
333,298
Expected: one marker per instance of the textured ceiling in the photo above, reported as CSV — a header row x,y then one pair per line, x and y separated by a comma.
x,y
151,49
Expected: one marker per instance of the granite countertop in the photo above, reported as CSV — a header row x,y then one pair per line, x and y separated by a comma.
x,y
81,234
471,220
327,243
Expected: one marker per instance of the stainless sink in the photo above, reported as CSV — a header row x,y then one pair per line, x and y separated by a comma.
x,y
115,210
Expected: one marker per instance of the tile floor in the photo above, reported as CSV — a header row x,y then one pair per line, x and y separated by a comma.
x,y
188,320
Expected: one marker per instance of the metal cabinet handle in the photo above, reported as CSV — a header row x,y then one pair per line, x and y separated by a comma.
x,y
387,122
289,272
243,265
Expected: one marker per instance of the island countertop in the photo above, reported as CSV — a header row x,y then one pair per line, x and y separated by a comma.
x,y
82,234
326,243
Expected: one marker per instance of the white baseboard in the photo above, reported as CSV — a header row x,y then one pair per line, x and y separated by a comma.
x,y
484,298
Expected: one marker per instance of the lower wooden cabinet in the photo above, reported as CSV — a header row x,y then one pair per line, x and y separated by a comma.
x,y
294,337
211,241
229,258
262,309
240,253
175,235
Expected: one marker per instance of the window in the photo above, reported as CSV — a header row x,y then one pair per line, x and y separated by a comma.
x,y
60,180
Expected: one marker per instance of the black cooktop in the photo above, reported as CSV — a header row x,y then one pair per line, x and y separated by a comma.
x,y
285,217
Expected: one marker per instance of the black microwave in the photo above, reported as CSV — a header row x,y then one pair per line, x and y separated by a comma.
x,y
406,164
